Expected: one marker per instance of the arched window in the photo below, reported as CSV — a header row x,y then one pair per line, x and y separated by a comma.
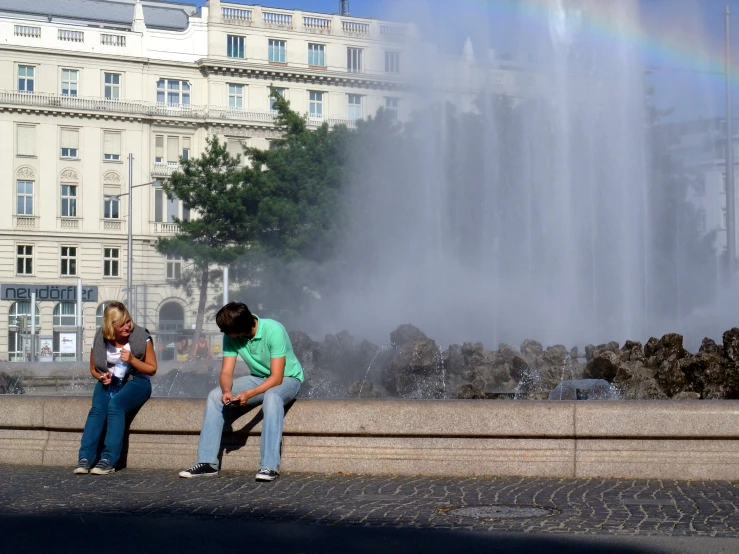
x,y
20,309
99,313
65,314
19,330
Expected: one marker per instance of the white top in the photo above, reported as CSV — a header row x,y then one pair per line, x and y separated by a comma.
x,y
114,354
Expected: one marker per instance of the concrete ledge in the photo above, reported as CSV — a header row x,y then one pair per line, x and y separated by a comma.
x,y
670,439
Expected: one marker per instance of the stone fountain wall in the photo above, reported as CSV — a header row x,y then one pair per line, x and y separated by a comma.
x,y
639,439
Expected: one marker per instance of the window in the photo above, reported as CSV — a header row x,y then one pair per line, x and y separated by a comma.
x,y
234,147
24,198
174,266
24,259
392,105
26,78
316,104
111,257
235,46
281,92
173,150
111,206
165,210
723,218
112,86
26,140
392,62
277,51
317,55
69,200
173,92
19,330
355,106
111,146
186,147
65,314
68,257
236,96
70,80
354,60
70,142
158,149
100,312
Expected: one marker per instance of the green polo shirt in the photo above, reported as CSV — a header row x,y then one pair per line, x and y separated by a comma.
x,y
271,341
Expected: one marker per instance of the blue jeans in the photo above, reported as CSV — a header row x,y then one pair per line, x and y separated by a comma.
x,y
113,412
273,408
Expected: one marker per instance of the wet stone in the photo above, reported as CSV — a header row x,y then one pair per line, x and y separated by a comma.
x,y
500,512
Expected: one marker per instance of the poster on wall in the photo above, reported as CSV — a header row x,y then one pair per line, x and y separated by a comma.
x,y
45,350
68,343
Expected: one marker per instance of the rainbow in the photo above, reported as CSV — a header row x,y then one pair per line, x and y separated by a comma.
x,y
666,45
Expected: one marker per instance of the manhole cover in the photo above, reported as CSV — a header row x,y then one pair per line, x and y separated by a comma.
x,y
500,512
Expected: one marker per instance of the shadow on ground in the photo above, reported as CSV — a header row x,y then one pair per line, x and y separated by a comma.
x,y
82,533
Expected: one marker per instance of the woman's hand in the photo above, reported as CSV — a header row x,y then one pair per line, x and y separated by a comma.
x,y
105,378
126,355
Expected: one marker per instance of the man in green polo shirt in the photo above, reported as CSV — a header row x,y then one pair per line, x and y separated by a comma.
x,y
275,379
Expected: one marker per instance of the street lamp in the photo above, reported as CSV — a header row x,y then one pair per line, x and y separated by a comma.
x,y
129,269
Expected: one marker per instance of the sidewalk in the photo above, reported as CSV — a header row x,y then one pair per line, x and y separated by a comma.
x,y
155,511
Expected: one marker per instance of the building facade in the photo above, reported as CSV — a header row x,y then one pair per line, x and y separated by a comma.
x,y
86,83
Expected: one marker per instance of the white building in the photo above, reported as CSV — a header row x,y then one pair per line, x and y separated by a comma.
x,y
85,83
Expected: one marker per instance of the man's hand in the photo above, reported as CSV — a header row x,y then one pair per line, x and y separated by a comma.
x,y
241,398
105,378
227,398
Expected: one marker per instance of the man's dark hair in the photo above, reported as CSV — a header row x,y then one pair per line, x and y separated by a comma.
x,y
234,317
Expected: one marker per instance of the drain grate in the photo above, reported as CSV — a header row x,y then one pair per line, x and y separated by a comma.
x,y
499,511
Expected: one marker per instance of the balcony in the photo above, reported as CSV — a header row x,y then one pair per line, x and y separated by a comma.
x,y
69,223
26,221
236,15
164,169
27,31
166,228
112,225
67,35
139,108
113,40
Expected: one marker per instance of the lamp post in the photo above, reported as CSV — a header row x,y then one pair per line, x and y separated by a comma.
x,y
730,192
129,268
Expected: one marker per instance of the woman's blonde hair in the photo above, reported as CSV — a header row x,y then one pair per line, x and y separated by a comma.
x,y
115,315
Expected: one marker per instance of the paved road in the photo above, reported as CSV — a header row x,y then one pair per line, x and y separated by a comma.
x,y
51,510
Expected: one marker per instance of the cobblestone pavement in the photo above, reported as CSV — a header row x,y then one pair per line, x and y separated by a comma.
x,y
572,506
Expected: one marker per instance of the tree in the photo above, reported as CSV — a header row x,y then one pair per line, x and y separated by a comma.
x,y
211,186
292,197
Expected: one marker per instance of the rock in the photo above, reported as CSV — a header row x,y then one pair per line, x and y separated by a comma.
x,y
671,378
635,381
574,353
632,351
531,349
706,374
593,351
709,346
469,392
413,369
363,389
604,366
668,348
731,344
687,396
9,384
406,334
554,356
518,368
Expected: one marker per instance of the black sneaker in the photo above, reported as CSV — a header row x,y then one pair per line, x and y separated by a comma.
x,y
267,475
199,470
83,467
103,467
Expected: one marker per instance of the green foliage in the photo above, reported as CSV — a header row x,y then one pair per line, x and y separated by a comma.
x,y
211,188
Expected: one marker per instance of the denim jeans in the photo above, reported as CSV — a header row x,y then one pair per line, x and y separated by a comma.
x,y
111,411
273,408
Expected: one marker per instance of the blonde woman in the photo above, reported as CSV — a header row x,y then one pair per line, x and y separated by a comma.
x,y
123,361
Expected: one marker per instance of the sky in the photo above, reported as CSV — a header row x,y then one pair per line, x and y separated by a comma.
x,y
682,40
